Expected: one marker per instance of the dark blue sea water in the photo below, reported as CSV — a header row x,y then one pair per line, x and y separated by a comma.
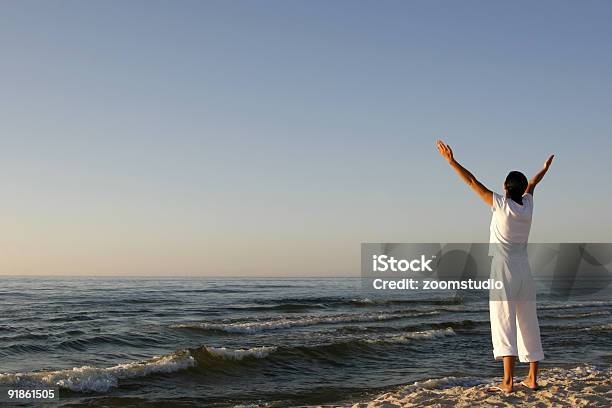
x,y
267,342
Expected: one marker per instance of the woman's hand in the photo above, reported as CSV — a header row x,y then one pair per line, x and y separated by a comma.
x,y
446,151
466,176
549,161
539,175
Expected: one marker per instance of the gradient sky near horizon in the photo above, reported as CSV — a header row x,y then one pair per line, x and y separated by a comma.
x,y
226,138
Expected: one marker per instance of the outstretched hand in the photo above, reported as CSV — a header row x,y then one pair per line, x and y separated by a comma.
x,y
445,151
483,192
539,175
549,161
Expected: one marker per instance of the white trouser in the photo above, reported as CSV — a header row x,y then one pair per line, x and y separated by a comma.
x,y
514,319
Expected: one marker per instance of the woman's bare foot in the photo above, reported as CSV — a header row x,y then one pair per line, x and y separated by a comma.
x,y
507,388
530,383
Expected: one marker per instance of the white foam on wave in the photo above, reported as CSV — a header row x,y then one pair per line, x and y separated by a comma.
x,y
364,301
447,382
239,354
96,379
576,373
285,323
407,337
570,305
581,315
599,327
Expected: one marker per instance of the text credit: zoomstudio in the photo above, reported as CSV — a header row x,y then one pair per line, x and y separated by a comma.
x,y
562,270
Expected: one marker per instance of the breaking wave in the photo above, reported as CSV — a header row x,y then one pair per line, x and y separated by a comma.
x,y
102,379
88,378
257,326
97,379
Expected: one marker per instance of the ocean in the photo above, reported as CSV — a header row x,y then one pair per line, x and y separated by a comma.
x,y
260,342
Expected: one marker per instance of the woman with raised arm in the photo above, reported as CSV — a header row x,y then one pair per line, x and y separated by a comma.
x,y
514,322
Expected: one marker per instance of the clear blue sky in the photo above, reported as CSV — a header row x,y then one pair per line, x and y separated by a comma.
x,y
273,137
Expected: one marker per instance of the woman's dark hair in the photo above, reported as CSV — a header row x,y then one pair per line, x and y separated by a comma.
x,y
516,184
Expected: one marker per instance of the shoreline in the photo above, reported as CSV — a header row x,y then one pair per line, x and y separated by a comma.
x,y
585,385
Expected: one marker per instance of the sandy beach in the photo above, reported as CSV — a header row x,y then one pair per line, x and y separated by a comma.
x,y
579,387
